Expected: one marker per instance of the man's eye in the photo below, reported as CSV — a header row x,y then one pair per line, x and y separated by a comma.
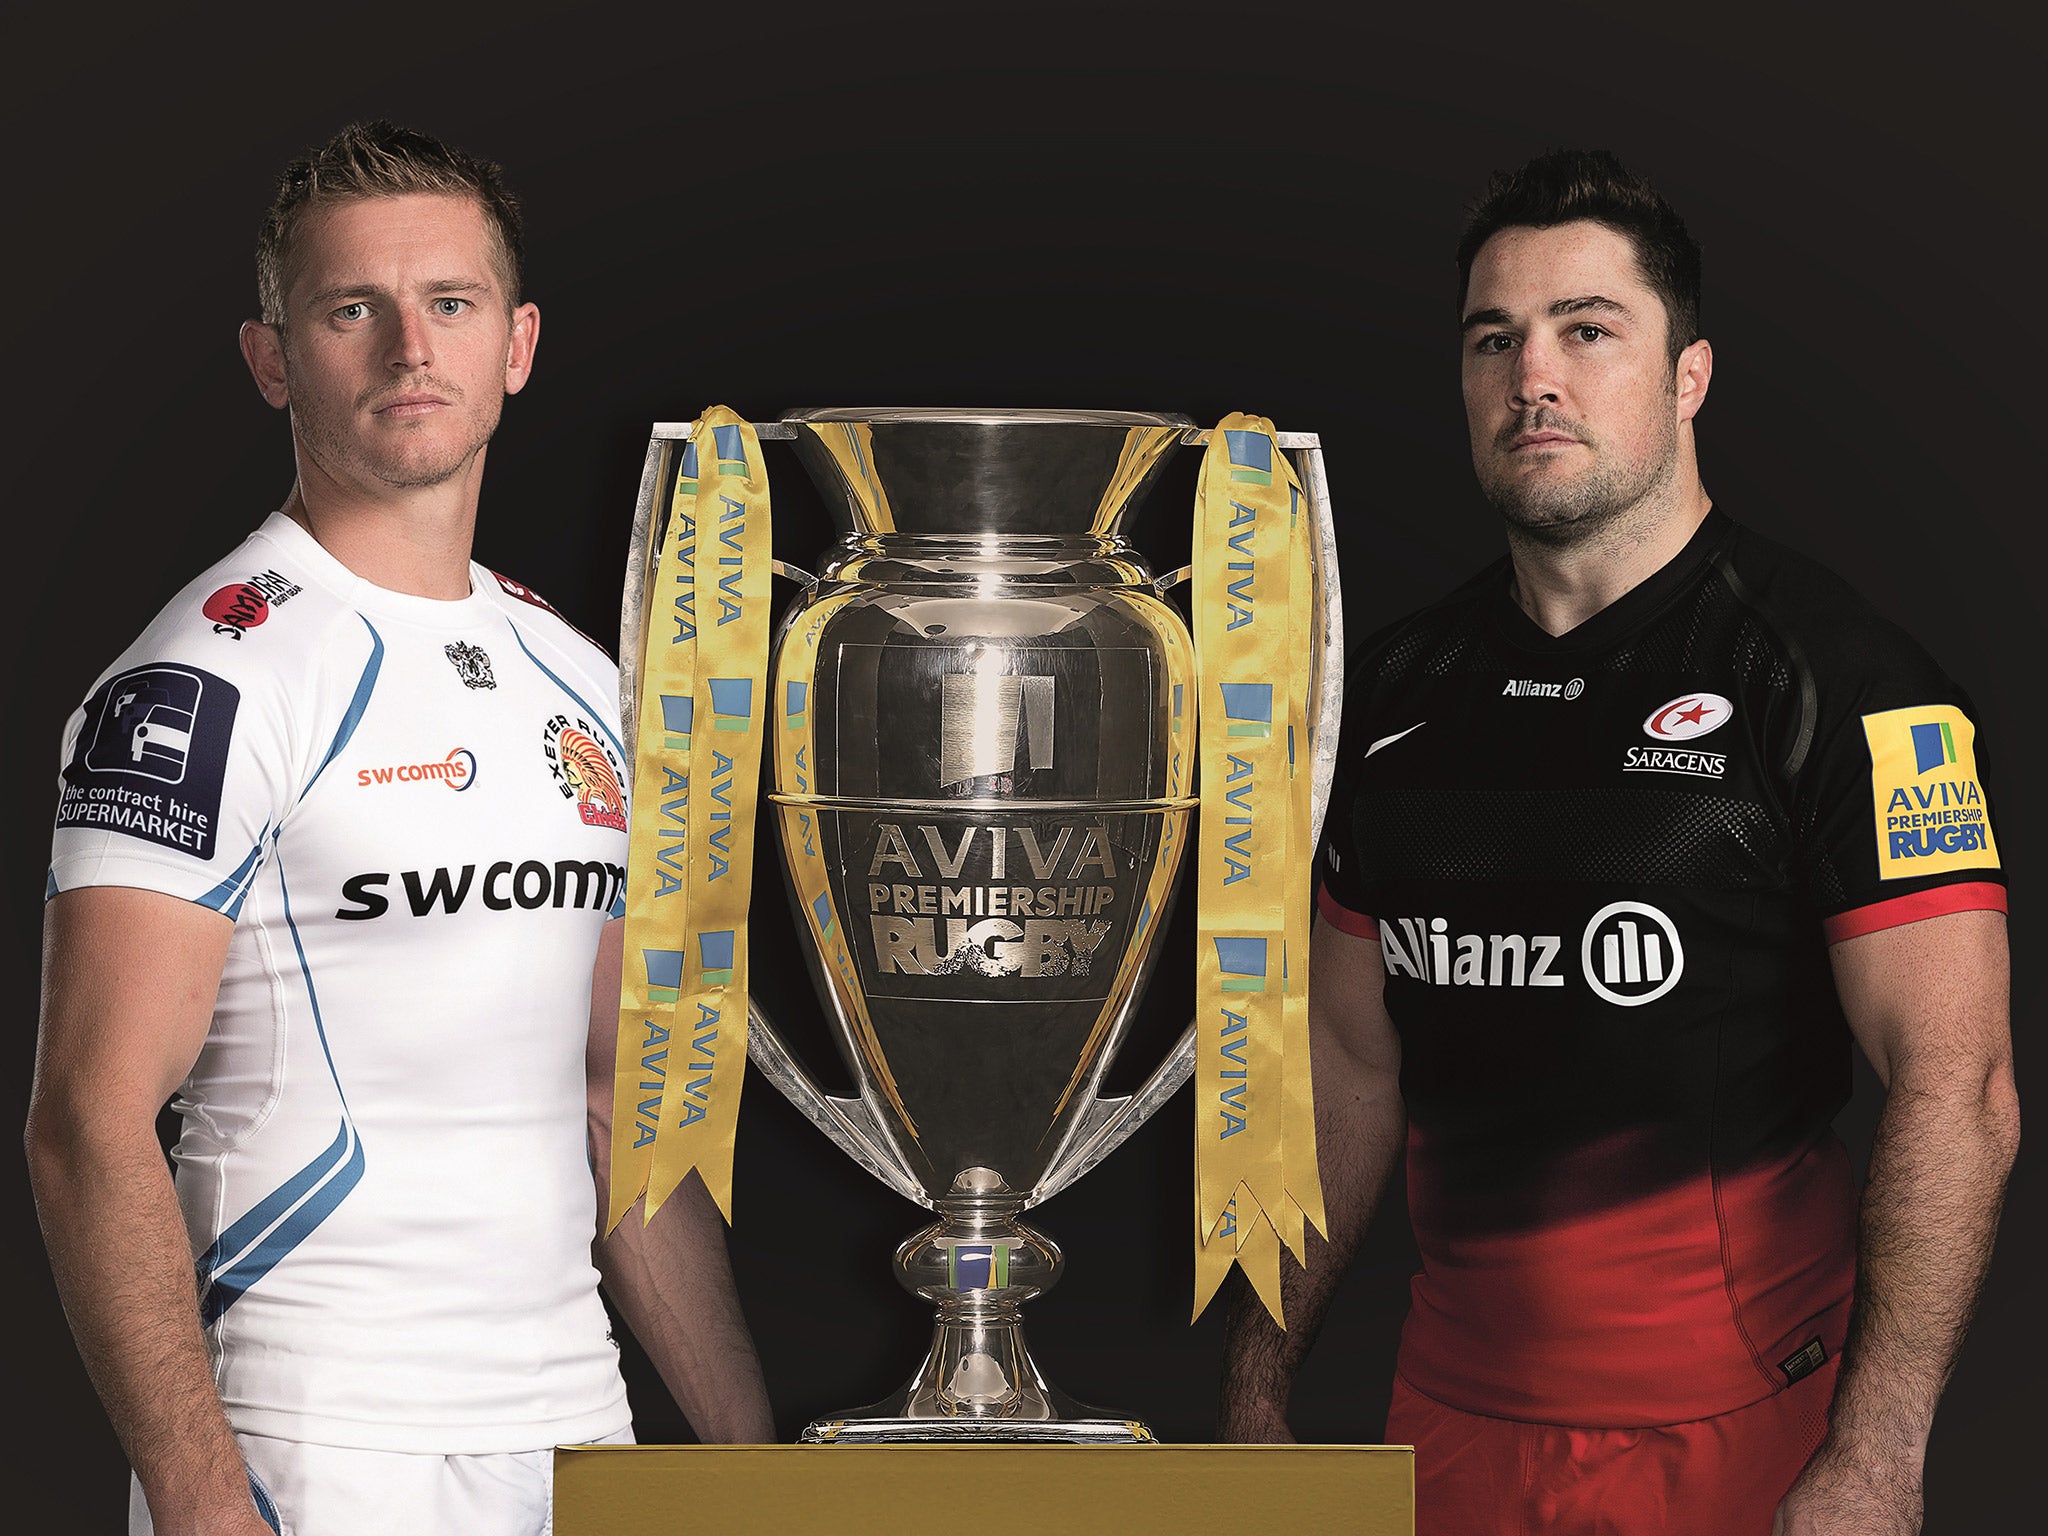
x,y
1589,331
448,308
356,311
1498,341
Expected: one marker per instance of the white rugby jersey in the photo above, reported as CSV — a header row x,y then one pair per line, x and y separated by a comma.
x,y
412,810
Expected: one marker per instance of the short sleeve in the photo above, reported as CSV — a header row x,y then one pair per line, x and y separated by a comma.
x,y
1340,873
1894,795
177,768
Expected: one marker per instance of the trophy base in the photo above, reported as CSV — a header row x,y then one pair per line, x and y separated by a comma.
x,y
879,1431
978,1384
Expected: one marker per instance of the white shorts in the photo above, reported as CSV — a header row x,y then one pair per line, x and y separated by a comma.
x,y
325,1490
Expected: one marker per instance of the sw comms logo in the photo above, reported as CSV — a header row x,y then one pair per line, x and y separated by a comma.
x,y
457,770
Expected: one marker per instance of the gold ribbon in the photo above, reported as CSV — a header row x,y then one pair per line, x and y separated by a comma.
x,y
1255,1171
703,700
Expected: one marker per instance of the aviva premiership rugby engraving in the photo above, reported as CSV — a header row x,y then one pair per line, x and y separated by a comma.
x,y
1036,901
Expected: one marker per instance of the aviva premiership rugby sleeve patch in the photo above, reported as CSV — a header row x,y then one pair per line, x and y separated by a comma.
x,y
152,756
1929,802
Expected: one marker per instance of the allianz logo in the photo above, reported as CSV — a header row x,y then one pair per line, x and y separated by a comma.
x,y
1629,954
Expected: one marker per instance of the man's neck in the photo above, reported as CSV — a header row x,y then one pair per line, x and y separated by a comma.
x,y
416,541
1560,587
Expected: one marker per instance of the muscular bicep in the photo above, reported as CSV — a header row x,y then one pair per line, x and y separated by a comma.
x,y
1347,1002
129,980
1929,997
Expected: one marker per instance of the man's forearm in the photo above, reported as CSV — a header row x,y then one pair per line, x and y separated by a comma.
x,y
672,1281
1930,1211
1359,1130
123,1268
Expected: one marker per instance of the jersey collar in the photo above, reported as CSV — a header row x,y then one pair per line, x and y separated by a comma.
x,y
1625,614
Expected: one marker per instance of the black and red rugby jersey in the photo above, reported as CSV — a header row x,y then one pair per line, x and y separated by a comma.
x,y
1603,869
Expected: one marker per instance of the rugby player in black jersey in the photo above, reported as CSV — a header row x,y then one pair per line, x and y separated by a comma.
x,y
1632,836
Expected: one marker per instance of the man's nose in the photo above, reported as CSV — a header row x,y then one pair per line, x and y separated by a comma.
x,y
1536,378
408,347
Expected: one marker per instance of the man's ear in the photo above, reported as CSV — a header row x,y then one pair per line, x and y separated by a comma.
x,y
519,355
1695,373
263,351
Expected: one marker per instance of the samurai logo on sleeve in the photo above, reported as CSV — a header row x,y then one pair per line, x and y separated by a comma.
x,y
1925,793
152,757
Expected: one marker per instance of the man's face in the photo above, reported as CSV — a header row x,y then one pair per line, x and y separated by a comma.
x,y
1570,393
399,343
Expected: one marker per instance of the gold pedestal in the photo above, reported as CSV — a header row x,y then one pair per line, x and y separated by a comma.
x,y
1174,1490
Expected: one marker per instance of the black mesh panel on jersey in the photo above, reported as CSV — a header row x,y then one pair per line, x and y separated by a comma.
x,y
1712,631
1623,832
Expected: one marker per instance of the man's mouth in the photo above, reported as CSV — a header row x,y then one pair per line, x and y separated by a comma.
x,y
417,403
1540,440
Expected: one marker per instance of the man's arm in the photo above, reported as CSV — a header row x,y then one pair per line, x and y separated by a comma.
x,y
671,1278
1928,1003
1360,1125
129,978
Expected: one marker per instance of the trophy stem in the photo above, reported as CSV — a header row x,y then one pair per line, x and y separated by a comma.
x,y
978,1381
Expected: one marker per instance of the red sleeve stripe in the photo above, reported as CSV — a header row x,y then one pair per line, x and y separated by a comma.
x,y
1337,915
1974,896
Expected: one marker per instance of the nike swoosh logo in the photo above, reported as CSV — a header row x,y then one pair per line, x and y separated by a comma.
x,y
1388,741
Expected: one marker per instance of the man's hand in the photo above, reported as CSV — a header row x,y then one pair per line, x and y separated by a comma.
x,y
129,978
1360,1123
1842,1494
671,1277
1928,1003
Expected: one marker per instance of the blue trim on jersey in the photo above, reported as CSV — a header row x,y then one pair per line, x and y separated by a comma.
x,y
49,884
356,705
228,896
580,704
266,1506
268,1211
289,1214
227,1287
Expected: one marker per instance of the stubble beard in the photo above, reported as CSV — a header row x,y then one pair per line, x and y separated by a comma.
x,y
344,454
1561,513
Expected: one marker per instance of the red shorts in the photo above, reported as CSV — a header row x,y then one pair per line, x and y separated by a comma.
x,y
1721,1476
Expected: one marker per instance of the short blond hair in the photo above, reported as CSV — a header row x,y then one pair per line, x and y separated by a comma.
x,y
381,159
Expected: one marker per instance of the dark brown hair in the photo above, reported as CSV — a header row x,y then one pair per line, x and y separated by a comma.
x,y
1569,184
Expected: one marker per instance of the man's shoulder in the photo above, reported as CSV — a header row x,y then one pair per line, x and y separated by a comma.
x,y
253,616
1429,634
1824,622
540,623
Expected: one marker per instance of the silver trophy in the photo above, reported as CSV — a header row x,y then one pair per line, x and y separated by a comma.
x,y
983,812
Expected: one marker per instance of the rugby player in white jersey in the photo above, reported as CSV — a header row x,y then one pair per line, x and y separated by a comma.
x,y
337,863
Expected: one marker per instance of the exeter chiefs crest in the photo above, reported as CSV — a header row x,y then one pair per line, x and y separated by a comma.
x,y
472,665
586,772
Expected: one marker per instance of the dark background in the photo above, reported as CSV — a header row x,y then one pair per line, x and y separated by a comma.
x,y
1194,207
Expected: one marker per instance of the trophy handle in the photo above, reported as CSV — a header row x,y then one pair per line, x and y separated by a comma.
x,y
1107,1123
849,1123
